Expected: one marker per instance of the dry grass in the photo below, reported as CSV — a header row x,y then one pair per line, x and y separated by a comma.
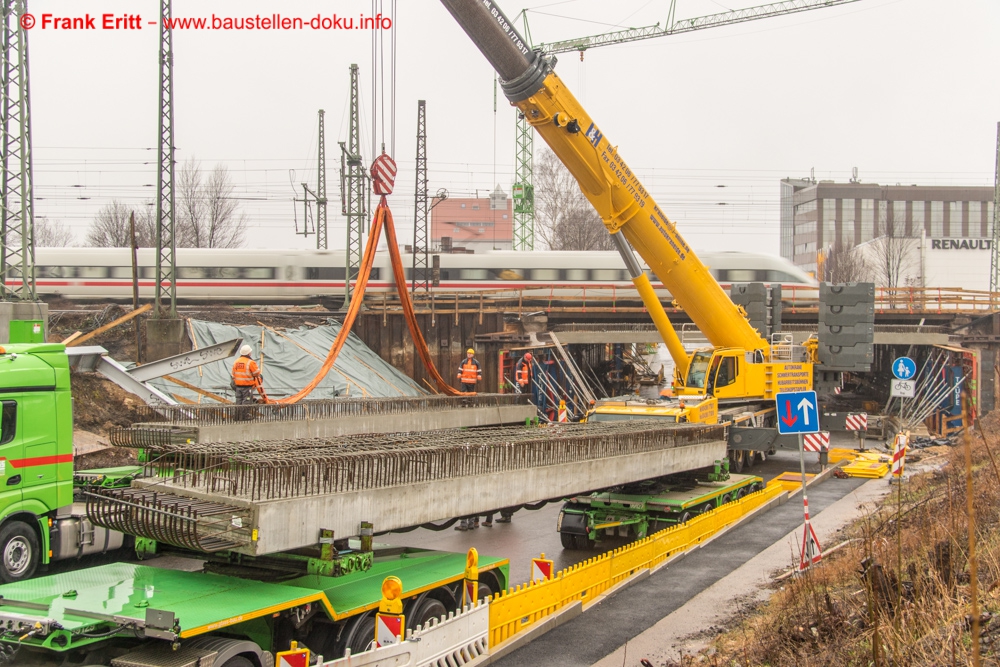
x,y
900,592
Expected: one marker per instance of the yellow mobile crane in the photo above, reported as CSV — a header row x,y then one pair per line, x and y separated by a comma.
x,y
741,364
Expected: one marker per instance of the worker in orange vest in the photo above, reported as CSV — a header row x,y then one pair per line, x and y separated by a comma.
x,y
522,373
470,372
246,376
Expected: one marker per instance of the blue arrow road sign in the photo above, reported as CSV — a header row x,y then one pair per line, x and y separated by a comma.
x,y
797,412
904,368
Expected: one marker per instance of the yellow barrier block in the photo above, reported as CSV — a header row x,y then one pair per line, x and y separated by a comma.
x,y
867,469
516,609
837,455
790,481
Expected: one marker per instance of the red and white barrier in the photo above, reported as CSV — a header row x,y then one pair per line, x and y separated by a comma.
x,y
816,442
857,422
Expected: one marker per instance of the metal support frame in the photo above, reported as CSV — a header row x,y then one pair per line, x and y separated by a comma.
x,y
166,245
421,271
321,242
995,259
524,169
353,190
17,217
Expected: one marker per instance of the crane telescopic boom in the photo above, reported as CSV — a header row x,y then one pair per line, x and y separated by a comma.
x,y
625,206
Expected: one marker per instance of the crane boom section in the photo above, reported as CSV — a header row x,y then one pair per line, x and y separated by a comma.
x,y
625,205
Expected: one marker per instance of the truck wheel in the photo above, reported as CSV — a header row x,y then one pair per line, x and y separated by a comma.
x,y
238,661
19,552
568,541
736,460
363,634
428,609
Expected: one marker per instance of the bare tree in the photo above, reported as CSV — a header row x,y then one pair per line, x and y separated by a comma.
x,y
52,234
110,227
891,255
566,220
845,264
208,215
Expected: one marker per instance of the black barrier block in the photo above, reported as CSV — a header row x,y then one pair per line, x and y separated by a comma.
x,y
849,294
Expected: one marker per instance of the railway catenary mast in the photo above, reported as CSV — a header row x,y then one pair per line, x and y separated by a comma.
x,y
625,206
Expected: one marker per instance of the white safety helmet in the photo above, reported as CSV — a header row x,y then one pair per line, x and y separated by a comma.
x,y
246,350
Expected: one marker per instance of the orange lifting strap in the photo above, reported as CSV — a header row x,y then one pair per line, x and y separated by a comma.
x,y
382,216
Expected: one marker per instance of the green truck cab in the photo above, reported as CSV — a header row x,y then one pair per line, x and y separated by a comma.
x,y
39,521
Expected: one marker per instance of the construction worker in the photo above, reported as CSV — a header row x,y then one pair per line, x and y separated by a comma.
x,y
522,373
470,372
246,376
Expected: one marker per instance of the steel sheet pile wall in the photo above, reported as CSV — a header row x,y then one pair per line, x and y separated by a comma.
x,y
271,469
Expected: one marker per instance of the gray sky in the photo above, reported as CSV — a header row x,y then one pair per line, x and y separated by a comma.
x,y
904,90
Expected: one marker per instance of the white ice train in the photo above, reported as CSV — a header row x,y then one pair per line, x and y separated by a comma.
x,y
279,276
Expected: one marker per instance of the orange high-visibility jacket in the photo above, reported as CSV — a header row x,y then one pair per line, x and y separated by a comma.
x,y
523,372
245,372
469,371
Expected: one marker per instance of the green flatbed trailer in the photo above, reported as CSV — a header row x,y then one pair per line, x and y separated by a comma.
x,y
127,614
640,509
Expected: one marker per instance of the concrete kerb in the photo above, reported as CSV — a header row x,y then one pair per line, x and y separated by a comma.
x,y
573,610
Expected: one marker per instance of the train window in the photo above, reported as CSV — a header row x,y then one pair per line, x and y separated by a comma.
x,y
545,274
605,274
742,275
576,274
507,274
325,273
258,273
189,272
91,272
123,272
472,274
782,277
51,272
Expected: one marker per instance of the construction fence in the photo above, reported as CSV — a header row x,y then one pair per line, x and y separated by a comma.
x,y
515,610
466,636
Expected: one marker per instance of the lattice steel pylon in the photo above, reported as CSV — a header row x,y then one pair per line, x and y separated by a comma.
x,y
166,246
17,217
523,191
353,187
421,272
995,257
321,243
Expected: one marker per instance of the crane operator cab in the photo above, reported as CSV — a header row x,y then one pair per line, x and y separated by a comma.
x,y
734,373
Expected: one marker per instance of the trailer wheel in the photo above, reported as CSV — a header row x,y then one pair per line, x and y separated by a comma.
x,y
684,518
736,461
428,609
741,492
707,507
568,540
19,552
750,457
238,661
361,634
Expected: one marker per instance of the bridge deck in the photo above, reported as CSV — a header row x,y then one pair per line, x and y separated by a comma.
x,y
270,496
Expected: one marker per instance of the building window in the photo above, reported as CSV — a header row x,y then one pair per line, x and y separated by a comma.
x,y
976,226
504,216
808,227
937,220
919,217
475,207
955,225
847,233
867,219
807,207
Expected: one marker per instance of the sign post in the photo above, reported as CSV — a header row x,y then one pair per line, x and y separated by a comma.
x,y
798,414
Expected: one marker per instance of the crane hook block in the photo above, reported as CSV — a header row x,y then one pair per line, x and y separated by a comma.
x,y
383,174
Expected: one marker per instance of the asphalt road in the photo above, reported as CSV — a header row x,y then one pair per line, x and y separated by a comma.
x,y
532,533
602,629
